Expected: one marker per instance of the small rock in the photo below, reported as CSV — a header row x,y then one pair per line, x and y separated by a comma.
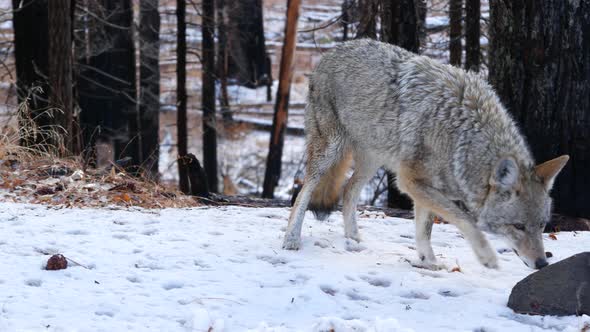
x,y
56,171
560,289
57,262
77,175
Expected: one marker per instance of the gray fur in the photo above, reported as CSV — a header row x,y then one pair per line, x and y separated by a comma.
x,y
442,130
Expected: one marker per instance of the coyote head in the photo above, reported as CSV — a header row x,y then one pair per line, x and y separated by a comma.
x,y
518,206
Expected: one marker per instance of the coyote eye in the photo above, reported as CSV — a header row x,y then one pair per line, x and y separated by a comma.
x,y
520,227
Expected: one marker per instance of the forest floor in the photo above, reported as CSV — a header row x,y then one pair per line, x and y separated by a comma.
x,y
223,269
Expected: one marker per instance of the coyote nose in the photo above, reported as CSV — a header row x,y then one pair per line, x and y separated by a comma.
x,y
541,263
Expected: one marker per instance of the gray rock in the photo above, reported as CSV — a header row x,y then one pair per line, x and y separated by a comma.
x,y
560,289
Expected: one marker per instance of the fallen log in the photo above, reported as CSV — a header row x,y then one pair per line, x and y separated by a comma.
x,y
248,201
558,223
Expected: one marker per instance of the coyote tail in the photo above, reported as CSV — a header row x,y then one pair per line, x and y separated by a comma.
x,y
327,193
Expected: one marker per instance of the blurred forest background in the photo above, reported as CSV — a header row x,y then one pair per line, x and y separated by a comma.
x,y
162,87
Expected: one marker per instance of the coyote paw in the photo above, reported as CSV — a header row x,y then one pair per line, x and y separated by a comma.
x,y
291,243
432,265
353,236
491,264
487,257
427,259
425,253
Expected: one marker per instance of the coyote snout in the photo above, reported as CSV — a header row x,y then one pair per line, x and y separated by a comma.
x,y
444,133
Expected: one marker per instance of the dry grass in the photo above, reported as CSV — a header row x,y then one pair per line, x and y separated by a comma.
x,y
63,182
34,173
42,141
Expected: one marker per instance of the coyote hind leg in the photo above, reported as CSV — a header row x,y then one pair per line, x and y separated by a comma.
x,y
320,158
364,168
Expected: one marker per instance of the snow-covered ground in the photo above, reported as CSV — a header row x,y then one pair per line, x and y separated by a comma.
x,y
223,269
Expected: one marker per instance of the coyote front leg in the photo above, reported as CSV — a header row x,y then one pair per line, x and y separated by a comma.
x,y
424,222
434,200
364,169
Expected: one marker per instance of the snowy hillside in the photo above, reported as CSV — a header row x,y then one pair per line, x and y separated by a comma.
x,y
223,269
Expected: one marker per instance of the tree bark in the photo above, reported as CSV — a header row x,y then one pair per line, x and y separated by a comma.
x,y
539,64
208,96
472,33
345,20
367,27
181,97
222,62
410,24
149,95
60,73
107,83
196,175
277,137
455,18
401,23
31,42
245,38
390,21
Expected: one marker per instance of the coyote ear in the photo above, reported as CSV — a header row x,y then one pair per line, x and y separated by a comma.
x,y
548,170
505,174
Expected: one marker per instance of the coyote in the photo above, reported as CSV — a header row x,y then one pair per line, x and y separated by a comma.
x,y
443,131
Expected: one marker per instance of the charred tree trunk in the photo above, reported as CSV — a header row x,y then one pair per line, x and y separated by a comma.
x,y
390,21
367,27
410,24
345,20
401,23
107,83
539,63
149,93
208,95
60,73
279,123
222,62
31,42
455,18
472,32
181,98
245,38
196,175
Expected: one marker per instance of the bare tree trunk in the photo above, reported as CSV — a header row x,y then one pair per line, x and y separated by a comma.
x,y
410,24
472,32
401,23
247,48
149,73
539,65
345,20
277,137
455,18
31,42
208,95
222,61
60,72
367,27
107,84
390,21
181,97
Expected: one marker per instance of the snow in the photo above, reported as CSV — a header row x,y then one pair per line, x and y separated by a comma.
x,y
223,269
436,21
